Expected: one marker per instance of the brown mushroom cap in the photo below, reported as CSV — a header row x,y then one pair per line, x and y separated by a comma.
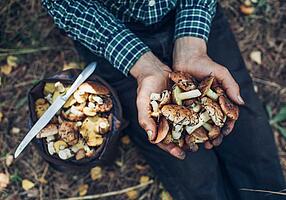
x,y
214,132
163,130
106,106
229,109
93,88
180,114
205,85
184,80
200,135
50,129
190,142
214,111
68,133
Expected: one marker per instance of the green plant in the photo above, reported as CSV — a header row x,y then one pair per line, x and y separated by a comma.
x,y
277,120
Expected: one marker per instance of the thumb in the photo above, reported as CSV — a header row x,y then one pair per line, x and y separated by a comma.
x,y
144,117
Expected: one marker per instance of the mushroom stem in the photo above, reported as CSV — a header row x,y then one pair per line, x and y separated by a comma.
x,y
211,94
207,126
177,131
196,108
190,94
204,117
155,108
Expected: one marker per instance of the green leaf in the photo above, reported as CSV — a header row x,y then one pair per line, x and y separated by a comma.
x,y
281,130
269,111
280,116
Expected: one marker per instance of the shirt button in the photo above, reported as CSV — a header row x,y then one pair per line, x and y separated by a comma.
x,y
151,3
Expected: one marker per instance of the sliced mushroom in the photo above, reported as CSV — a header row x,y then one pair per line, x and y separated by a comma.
x,y
213,131
205,88
68,133
163,130
65,154
184,80
93,88
200,135
203,118
214,111
229,109
49,130
178,96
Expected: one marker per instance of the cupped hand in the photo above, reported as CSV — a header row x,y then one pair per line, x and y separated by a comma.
x,y
152,76
190,55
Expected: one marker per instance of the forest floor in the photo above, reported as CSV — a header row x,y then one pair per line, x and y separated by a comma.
x,y
28,33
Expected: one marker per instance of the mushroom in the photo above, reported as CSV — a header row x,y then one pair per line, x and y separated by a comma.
x,y
79,145
93,88
178,96
71,101
88,111
214,111
203,118
49,88
155,96
50,138
168,139
163,130
180,142
105,106
228,108
184,80
180,116
213,131
49,98
165,98
95,99
94,140
60,145
68,133
65,154
60,87
80,96
200,135
41,105
80,154
190,143
74,113
155,109
94,125
49,130
205,88
51,148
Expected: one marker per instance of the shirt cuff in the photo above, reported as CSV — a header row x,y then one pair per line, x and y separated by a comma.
x,y
193,21
123,49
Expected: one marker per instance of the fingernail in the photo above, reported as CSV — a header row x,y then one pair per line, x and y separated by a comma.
x,y
240,99
182,155
149,133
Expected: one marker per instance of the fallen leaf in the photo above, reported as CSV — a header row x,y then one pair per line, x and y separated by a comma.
x,y
15,130
255,56
144,179
6,69
132,194
82,190
165,195
42,180
247,10
27,184
12,61
9,160
96,173
141,167
1,116
125,140
4,181
70,65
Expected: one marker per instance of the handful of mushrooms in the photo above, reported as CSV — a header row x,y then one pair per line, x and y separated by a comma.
x,y
80,127
192,112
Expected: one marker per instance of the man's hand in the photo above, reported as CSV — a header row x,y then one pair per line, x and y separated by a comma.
x,y
190,55
152,76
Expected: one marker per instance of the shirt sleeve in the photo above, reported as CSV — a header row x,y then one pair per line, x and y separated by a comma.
x,y
194,17
92,25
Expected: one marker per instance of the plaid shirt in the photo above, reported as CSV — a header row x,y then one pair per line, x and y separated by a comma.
x,y
99,25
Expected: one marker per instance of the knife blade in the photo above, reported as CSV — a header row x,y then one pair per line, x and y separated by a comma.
x,y
54,108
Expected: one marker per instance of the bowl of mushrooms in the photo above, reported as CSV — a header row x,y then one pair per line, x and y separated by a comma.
x,y
85,131
192,112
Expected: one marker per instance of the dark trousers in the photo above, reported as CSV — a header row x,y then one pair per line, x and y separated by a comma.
x,y
246,159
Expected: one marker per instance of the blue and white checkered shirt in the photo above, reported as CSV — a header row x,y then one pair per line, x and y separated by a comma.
x,y
99,25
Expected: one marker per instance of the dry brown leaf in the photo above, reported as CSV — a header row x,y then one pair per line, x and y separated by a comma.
x,y
125,140
165,195
9,160
132,194
15,130
12,61
82,189
27,184
255,56
4,181
6,69
96,173
70,65
1,116
144,179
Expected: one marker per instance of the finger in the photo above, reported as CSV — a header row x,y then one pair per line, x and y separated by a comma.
x,y
229,84
228,126
173,150
208,145
216,142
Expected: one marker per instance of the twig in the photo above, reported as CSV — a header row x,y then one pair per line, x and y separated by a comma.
x,y
108,194
264,191
265,82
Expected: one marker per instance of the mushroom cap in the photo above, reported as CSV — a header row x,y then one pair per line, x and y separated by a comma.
x,y
190,142
205,85
180,114
214,132
214,111
105,106
163,130
93,88
184,80
219,90
68,133
230,110
49,130
200,135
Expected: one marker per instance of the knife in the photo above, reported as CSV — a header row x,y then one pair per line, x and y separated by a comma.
x,y
54,108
